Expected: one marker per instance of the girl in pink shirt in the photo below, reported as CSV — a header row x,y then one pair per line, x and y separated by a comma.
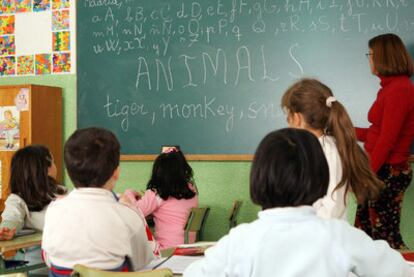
x,y
169,197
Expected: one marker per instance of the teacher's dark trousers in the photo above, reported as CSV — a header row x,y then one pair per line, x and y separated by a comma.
x,y
380,219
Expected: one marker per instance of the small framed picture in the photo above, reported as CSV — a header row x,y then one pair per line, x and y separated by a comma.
x,y
9,128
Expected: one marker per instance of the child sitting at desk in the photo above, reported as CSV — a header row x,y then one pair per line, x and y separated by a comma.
x,y
33,186
89,226
169,197
289,172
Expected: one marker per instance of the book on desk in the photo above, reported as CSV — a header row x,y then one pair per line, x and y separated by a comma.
x,y
24,232
408,256
178,259
193,249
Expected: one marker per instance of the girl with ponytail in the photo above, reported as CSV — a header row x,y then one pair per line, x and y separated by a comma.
x,y
310,105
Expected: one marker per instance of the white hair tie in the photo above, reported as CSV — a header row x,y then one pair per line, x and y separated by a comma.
x,y
329,101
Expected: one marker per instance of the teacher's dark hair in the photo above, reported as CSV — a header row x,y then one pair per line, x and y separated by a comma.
x,y
289,169
390,56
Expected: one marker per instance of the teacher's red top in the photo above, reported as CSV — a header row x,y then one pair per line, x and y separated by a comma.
x,y
390,135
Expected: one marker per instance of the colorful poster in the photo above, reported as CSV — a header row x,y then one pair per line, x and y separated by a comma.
x,y
60,4
42,64
38,64
7,25
23,6
7,66
7,46
25,65
61,41
61,62
41,5
7,6
9,128
22,100
60,20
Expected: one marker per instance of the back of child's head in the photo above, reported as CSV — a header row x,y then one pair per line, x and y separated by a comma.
x,y
321,111
308,97
29,177
289,169
91,156
171,175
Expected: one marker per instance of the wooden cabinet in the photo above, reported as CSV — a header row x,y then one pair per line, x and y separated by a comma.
x,y
37,115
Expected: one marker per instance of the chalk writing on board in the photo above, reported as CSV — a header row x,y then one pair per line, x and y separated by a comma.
x,y
147,68
207,108
137,29
218,60
134,28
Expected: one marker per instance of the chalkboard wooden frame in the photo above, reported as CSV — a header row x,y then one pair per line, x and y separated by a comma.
x,y
192,157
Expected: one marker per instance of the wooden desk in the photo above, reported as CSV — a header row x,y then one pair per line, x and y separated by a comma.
x,y
16,244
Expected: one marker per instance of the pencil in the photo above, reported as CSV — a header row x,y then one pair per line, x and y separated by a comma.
x,y
166,259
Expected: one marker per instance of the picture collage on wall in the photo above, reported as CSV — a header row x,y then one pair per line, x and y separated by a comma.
x,y
57,61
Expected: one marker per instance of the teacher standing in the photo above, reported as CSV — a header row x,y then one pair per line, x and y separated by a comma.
x,y
389,137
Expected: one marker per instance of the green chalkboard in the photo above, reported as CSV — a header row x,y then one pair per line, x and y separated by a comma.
x,y
208,75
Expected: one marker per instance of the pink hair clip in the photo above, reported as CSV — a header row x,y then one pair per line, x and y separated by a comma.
x,y
168,150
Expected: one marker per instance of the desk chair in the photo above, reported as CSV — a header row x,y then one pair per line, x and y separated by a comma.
x,y
84,271
234,212
196,223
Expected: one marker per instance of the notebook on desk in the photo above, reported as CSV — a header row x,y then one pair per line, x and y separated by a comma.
x,y
408,256
204,244
24,232
177,264
182,256
193,249
9,264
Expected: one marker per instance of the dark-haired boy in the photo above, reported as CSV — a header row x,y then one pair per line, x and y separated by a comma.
x,y
89,226
289,173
